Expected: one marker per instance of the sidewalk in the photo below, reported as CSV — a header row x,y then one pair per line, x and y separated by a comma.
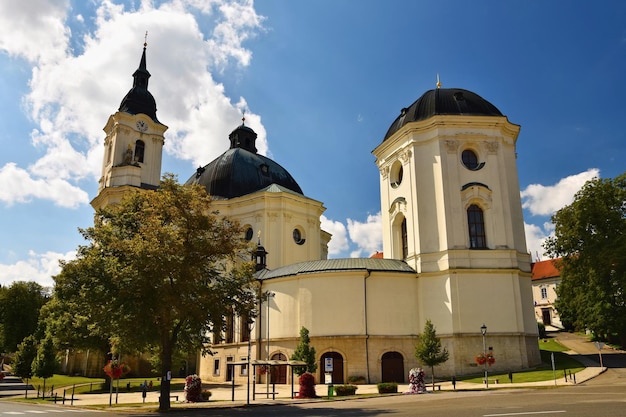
x,y
223,395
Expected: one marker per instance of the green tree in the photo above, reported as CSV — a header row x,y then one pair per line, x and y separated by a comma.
x,y
429,351
23,360
19,312
590,239
161,269
305,352
45,363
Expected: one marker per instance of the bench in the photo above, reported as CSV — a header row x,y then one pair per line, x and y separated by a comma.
x,y
438,387
171,396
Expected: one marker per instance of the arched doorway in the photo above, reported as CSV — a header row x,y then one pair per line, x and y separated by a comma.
x,y
392,364
337,373
279,373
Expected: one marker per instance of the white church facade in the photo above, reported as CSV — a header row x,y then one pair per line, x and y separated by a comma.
x,y
453,243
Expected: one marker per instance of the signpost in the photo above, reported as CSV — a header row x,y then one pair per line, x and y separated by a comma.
x,y
599,346
328,375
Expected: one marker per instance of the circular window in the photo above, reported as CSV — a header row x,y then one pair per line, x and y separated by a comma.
x,y
396,174
249,234
297,236
470,160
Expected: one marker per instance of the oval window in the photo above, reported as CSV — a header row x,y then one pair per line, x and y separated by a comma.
x,y
397,171
297,236
249,234
470,159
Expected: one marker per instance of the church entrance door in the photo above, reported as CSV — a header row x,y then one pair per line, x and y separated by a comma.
x,y
337,373
279,373
392,367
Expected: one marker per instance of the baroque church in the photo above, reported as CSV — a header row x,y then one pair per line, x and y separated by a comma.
x,y
454,249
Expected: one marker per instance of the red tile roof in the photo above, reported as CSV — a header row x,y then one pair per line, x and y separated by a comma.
x,y
377,255
545,269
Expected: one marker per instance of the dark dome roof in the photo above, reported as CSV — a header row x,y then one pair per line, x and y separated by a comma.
x,y
139,100
447,101
240,170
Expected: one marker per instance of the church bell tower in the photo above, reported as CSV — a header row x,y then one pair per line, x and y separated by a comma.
x,y
133,143
451,209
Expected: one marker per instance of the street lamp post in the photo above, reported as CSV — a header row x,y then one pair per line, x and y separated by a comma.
x,y
250,324
483,330
269,294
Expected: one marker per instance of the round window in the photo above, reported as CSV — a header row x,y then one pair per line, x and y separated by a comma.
x,y
397,171
249,234
470,160
297,236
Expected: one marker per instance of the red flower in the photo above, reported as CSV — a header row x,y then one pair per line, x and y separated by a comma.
x,y
116,370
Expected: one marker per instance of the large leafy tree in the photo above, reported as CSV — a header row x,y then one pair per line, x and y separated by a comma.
x,y
590,239
429,350
19,312
161,269
305,352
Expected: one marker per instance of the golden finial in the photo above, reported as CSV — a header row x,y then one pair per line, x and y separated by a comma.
x,y
145,39
438,82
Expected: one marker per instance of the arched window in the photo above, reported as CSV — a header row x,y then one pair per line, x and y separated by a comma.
x,y
139,150
405,245
476,225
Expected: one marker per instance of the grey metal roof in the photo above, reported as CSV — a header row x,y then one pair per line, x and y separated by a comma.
x,y
332,265
443,101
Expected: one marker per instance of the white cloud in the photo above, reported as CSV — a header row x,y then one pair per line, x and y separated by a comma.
x,y
339,241
39,267
367,236
535,236
34,30
16,185
546,200
71,96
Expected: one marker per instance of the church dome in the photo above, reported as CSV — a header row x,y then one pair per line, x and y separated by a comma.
x,y
139,100
240,170
443,101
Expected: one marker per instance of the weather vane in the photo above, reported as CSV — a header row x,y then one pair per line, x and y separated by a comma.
x,y
145,39
438,82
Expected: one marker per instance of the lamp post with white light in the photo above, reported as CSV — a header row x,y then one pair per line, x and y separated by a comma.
x,y
483,330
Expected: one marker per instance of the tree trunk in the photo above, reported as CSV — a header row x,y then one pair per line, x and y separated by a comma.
x,y
166,369
432,376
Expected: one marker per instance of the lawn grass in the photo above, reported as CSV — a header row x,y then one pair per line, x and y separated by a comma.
x,y
562,362
84,385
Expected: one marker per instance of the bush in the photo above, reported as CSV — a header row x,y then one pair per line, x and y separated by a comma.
x,y
343,390
356,379
387,387
307,386
206,394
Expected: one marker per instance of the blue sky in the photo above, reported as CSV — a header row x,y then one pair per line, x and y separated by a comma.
x,y
320,81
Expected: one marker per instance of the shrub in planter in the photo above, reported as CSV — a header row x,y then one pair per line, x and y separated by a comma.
x,y
343,390
387,387
307,386
356,379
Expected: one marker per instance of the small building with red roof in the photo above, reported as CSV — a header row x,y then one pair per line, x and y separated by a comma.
x,y
546,277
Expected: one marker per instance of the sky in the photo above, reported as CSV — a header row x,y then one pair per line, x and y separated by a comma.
x,y
320,82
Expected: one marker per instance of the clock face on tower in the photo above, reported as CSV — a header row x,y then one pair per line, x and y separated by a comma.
x,y
142,126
